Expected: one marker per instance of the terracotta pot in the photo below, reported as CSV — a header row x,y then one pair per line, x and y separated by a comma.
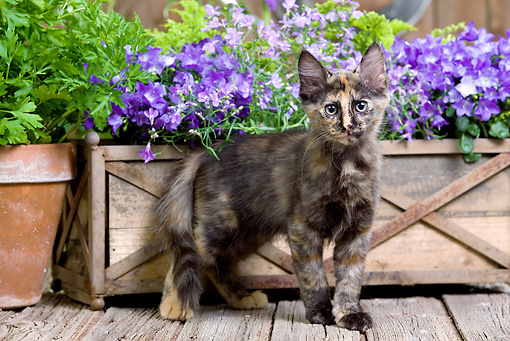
x,y
33,182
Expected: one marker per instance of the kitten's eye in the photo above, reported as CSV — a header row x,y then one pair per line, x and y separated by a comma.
x,y
361,106
330,109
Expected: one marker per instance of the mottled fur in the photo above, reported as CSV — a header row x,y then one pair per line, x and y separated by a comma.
x,y
315,186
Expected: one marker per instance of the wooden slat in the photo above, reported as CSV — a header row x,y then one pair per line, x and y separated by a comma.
x,y
445,146
5,315
135,259
482,316
290,324
74,201
448,227
131,153
440,198
443,276
220,323
70,277
414,318
31,323
131,324
97,222
277,256
499,17
454,11
136,177
387,278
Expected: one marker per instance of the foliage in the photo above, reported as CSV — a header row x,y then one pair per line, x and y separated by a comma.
x,y
448,33
188,30
44,46
375,27
455,88
242,80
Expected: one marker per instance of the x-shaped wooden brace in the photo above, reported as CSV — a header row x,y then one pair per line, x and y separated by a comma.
x,y
414,211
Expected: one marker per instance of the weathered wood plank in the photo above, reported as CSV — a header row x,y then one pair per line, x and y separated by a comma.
x,y
53,317
290,324
131,324
135,259
440,198
445,146
221,323
136,177
131,153
449,227
5,315
481,316
415,318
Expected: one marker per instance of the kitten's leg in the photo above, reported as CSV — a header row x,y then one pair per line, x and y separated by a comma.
x,y
233,291
306,246
170,306
349,258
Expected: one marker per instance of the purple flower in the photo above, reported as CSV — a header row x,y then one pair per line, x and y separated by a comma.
x,y
485,109
275,81
289,4
211,10
233,36
463,107
151,114
146,153
467,86
89,121
272,4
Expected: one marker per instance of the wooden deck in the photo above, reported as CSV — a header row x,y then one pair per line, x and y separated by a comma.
x,y
482,316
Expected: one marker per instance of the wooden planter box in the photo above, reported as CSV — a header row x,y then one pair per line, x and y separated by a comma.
x,y
440,220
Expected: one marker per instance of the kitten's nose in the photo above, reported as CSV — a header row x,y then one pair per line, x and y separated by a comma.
x,y
348,127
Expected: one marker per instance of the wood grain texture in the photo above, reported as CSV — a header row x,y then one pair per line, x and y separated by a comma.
x,y
449,227
482,316
220,323
290,324
131,324
440,198
415,318
54,317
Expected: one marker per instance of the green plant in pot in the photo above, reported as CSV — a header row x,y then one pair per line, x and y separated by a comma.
x,y
59,62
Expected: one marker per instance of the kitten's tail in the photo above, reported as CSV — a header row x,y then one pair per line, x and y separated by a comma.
x,y
175,213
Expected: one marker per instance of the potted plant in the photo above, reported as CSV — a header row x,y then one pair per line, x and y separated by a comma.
x,y
221,72
48,50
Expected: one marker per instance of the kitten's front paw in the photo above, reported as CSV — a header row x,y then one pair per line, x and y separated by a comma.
x,y
356,321
322,316
170,308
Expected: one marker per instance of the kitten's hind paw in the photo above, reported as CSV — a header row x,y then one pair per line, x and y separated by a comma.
x,y
356,321
256,299
170,308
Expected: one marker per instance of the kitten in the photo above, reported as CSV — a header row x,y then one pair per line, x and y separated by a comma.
x,y
313,186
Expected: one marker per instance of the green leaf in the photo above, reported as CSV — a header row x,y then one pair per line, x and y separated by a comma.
x,y
15,17
13,132
499,129
472,157
466,144
450,112
45,93
474,129
462,123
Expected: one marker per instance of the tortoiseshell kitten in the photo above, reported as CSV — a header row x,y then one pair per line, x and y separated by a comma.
x,y
313,186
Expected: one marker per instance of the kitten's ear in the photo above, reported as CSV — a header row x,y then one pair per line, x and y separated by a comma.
x,y
372,69
312,75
